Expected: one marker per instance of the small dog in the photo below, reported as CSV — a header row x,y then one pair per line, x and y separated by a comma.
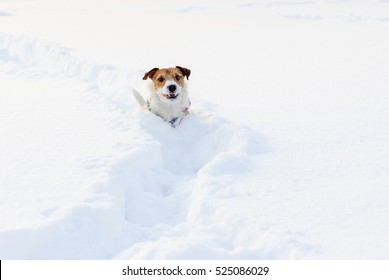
x,y
168,97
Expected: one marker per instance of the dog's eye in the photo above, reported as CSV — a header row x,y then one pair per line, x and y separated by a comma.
x,y
161,79
178,78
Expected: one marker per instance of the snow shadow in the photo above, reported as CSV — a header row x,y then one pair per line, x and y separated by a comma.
x,y
4,14
168,168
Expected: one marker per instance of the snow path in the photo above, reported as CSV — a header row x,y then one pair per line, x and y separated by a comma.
x,y
139,178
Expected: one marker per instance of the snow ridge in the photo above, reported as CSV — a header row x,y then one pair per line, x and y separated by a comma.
x,y
39,57
163,196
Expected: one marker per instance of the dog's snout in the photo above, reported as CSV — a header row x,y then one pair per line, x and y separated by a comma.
x,y
172,88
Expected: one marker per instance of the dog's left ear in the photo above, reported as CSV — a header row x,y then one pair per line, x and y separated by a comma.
x,y
184,71
150,74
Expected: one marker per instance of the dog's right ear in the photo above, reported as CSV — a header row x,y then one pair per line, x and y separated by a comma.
x,y
184,71
150,74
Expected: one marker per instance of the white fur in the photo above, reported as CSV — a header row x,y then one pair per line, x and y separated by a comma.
x,y
168,109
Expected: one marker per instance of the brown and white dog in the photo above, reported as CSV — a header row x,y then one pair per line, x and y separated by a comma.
x,y
168,97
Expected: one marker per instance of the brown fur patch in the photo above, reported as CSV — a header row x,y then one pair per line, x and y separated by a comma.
x,y
160,76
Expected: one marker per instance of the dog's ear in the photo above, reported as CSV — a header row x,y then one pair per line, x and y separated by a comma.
x,y
184,71
150,74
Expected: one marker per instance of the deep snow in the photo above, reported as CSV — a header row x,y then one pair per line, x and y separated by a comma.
x,y
283,155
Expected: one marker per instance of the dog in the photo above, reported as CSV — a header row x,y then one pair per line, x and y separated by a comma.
x,y
168,96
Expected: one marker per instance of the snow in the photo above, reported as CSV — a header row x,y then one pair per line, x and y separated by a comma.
x,y
283,156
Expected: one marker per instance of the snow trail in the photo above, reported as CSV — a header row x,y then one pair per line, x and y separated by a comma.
x,y
150,184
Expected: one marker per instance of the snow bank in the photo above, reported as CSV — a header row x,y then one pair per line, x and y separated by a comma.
x,y
147,182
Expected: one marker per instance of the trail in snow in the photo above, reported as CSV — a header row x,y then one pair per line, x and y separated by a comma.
x,y
139,183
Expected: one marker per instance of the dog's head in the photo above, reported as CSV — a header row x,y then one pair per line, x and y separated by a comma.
x,y
168,83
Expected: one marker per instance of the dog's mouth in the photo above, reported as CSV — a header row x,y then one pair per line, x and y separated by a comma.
x,y
170,96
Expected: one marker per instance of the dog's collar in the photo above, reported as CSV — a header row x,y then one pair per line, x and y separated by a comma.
x,y
186,109
173,121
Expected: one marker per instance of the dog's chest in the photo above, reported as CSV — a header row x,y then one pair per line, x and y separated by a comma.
x,y
169,111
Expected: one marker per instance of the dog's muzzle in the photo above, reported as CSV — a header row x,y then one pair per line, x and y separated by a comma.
x,y
172,89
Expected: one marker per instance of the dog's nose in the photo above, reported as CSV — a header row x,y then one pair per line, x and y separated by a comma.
x,y
172,88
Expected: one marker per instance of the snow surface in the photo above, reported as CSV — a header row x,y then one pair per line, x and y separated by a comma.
x,y
284,154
